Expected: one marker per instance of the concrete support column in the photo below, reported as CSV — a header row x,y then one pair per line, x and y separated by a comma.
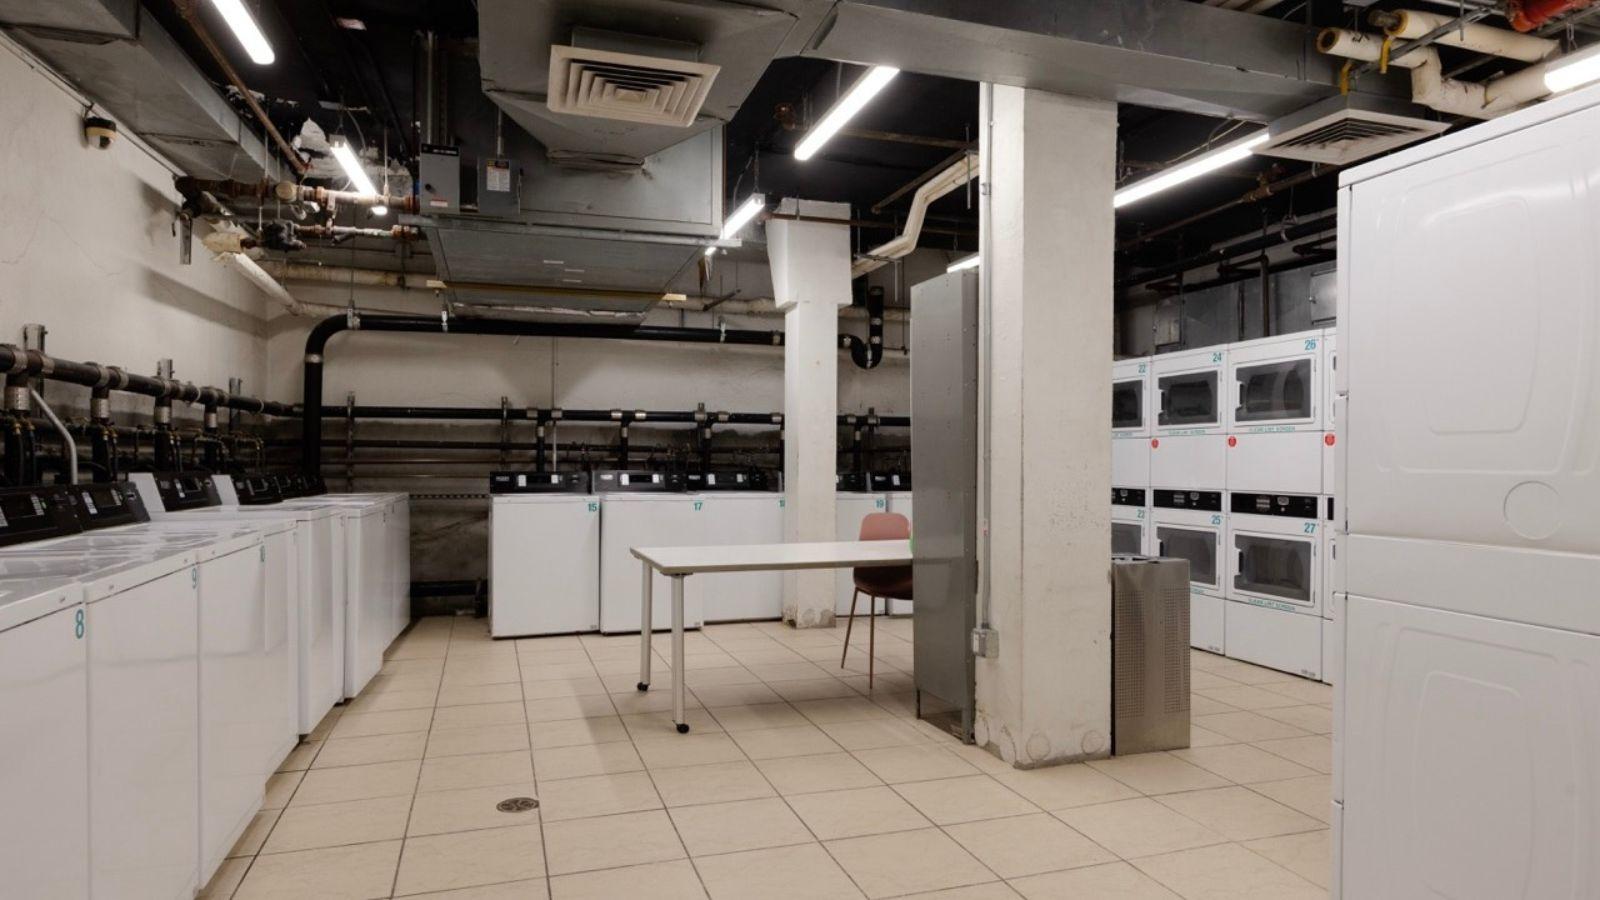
x,y
1045,465
811,281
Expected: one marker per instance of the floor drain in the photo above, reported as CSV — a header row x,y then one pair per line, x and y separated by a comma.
x,y
517,805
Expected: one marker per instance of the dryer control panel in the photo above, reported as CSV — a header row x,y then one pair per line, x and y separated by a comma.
x,y
1204,501
1292,506
1127,497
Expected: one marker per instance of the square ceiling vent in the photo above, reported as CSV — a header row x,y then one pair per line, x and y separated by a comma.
x,y
609,85
1343,130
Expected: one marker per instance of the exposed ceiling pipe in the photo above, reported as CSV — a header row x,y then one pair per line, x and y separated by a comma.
x,y
191,15
1526,15
1410,24
17,361
953,177
1430,88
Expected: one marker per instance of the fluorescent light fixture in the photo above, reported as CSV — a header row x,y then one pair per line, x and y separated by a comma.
x,y
1573,70
741,217
380,210
859,95
246,30
1201,165
353,170
966,262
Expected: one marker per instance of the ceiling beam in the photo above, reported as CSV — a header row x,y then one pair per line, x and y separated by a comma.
x,y
1168,54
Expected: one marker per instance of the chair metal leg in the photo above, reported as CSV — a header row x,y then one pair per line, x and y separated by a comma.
x,y
872,637
849,624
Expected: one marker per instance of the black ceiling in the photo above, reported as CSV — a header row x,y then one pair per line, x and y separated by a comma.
x,y
361,80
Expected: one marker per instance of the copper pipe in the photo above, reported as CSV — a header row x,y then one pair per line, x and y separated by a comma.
x,y
186,9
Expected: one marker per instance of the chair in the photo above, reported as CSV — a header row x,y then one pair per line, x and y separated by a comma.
x,y
886,582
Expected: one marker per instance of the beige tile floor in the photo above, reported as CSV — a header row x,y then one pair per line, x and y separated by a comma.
x,y
796,782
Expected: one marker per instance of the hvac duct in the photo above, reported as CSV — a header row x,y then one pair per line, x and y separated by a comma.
x,y
953,177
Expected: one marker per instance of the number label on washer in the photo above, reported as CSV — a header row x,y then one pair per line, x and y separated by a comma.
x,y
77,624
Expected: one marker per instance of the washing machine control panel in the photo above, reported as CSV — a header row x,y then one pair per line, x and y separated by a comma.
x,y
180,491
35,514
752,480
538,483
257,490
106,505
637,480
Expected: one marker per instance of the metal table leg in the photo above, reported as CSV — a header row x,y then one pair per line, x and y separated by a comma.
x,y
646,619
677,654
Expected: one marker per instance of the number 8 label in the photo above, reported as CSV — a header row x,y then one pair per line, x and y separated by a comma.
x,y
77,624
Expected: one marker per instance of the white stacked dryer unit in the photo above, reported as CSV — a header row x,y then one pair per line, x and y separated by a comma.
x,y
1193,525
645,509
1131,423
544,554
853,501
1467,713
1332,407
1188,447
1275,396
1130,521
738,509
1274,581
44,750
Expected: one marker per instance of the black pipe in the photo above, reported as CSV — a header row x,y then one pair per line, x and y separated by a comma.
x,y
317,343
493,413
868,354
110,378
1223,254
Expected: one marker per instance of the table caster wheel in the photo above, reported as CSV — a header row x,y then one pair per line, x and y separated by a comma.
x,y
683,727
644,686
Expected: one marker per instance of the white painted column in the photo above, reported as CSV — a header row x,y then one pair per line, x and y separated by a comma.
x,y
810,281
1045,697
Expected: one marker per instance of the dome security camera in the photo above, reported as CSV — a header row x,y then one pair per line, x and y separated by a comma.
x,y
99,131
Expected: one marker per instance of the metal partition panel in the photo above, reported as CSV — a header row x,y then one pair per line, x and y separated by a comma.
x,y
944,466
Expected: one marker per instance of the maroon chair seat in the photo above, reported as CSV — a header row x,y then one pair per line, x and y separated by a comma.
x,y
887,582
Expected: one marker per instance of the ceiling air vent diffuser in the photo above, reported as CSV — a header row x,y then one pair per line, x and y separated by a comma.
x,y
1343,130
610,85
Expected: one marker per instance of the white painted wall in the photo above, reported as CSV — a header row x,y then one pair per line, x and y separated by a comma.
x,y
87,249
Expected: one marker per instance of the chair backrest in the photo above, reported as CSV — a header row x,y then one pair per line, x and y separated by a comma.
x,y
885,526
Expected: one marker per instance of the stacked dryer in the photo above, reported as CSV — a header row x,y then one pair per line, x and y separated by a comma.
x,y
1234,445
1467,713
1277,431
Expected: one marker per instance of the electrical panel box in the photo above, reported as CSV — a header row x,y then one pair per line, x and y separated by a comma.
x,y
439,179
498,188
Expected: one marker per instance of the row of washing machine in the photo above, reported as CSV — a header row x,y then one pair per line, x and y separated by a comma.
x,y
1251,416
153,672
559,546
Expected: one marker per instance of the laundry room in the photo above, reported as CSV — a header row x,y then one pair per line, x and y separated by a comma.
x,y
657,449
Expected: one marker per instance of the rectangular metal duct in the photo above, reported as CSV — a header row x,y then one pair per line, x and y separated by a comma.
x,y
117,54
515,44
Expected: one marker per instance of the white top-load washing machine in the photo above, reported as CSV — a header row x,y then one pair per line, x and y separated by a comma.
x,y
645,509
1276,396
395,573
1274,585
1188,447
305,567
1130,521
1192,525
1467,713
140,634
44,745
739,509
369,614
1131,422
853,500
544,554
244,726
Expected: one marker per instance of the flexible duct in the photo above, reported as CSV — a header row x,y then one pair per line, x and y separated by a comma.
x,y
958,174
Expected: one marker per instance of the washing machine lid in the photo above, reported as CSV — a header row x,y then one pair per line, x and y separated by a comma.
x,y
27,598
101,574
288,511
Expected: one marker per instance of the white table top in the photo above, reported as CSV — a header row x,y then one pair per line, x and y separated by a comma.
x,y
761,557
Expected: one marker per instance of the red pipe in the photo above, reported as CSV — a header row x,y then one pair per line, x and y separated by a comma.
x,y
1526,15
